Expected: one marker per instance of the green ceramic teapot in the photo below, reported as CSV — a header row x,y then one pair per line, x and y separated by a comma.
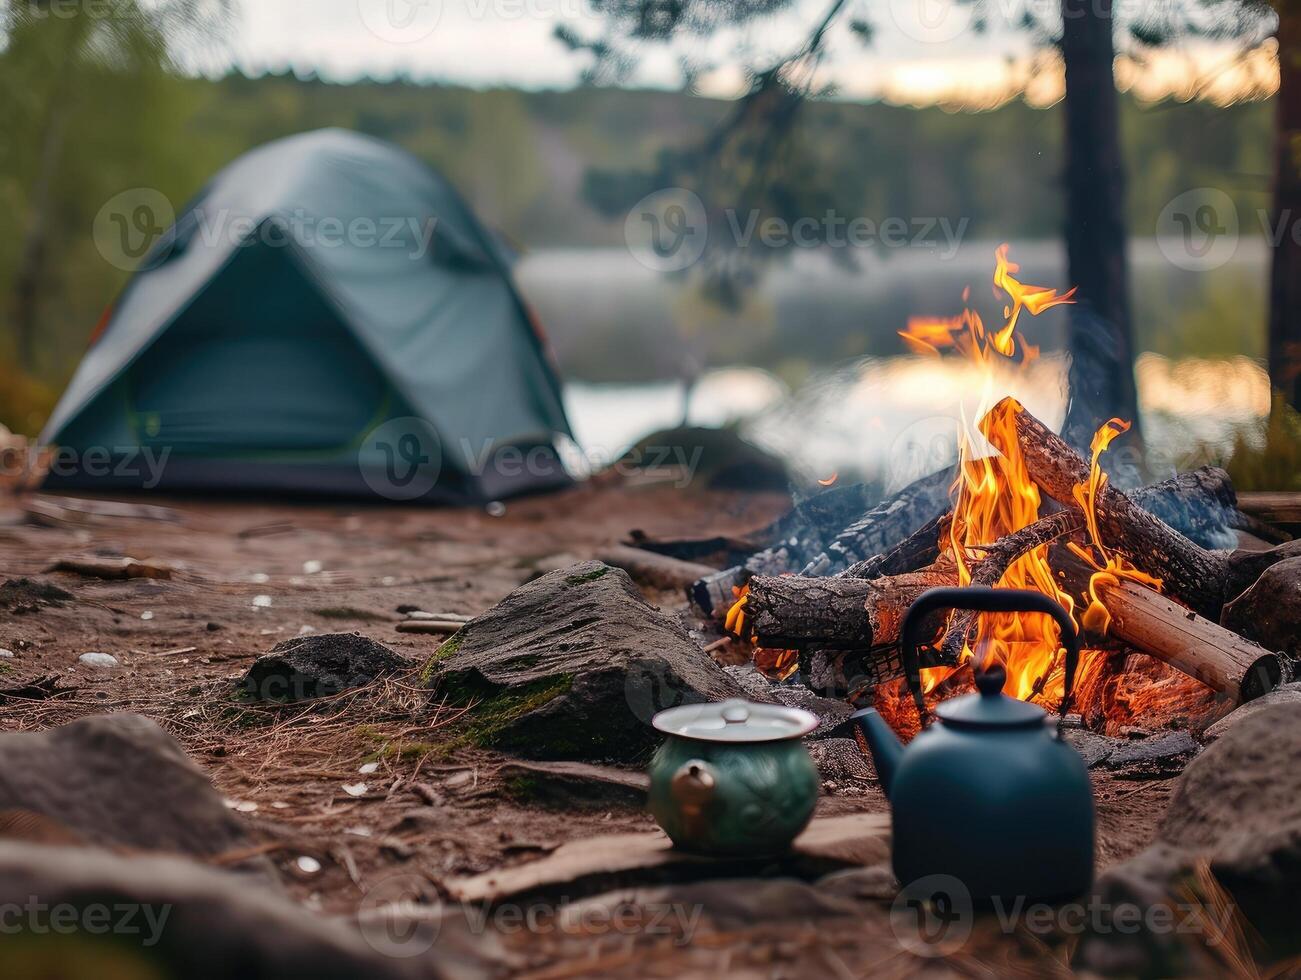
x,y
990,794
733,777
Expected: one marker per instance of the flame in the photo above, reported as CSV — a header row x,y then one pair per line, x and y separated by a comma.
x,y
993,493
1111,568
735,621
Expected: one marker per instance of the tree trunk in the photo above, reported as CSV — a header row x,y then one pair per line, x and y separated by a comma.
x,y
1101,337
1285,277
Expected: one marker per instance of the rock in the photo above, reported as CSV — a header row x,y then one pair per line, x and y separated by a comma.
x,y
26,595
573,665
117,780
1270,611
570,784
319,665
1112,948
1287,694
1093,748
6,654
103,660
153,916
1238,807
1239,803
840,760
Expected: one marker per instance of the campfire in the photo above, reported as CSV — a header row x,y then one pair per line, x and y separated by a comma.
x,y
1021,509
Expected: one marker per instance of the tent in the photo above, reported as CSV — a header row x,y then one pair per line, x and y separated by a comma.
x,y
328,318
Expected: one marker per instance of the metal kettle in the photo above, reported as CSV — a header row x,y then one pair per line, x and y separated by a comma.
x,y
990,794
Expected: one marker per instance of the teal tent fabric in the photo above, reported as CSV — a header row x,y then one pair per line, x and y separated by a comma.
x,y
319,288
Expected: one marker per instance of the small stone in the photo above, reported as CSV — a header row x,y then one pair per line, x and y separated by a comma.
x,y
496,508
261,602
368,768
312,567
105,660
214,627
6,654
147,615
308,865
355,789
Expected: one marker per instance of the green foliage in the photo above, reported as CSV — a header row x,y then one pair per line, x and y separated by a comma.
x,y
1268,456
24,402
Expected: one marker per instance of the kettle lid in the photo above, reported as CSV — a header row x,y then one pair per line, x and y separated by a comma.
x,y
736,720
990,708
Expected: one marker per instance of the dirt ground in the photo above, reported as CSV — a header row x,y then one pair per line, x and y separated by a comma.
x,y
249,574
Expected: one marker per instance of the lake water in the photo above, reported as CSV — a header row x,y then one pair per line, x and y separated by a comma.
x,y
625,335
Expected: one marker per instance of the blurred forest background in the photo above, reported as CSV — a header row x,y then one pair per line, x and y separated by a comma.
x,y
95,106
527,162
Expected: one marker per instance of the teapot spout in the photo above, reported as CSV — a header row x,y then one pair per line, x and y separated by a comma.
x,y
881,742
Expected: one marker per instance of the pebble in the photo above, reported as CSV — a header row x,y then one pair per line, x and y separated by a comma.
x,y
6,654
98,660
261,602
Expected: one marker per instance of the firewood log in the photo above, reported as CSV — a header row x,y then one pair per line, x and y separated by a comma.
x,y
796,612
1202,579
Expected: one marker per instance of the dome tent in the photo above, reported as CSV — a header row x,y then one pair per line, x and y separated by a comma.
x,y
327,317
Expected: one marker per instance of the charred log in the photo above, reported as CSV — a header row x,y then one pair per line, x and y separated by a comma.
x,y
796,612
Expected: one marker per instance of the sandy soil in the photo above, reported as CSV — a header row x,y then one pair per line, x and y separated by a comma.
x,y
249,574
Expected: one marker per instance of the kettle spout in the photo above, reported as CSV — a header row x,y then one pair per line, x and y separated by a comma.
x,y
881,742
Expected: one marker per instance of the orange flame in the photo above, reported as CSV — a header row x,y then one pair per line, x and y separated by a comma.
x,y
993,493
1112,568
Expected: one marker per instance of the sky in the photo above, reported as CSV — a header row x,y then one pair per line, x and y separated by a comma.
x,y
922,51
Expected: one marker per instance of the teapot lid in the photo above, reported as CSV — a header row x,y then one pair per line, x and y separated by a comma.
x,y
735,720
991,708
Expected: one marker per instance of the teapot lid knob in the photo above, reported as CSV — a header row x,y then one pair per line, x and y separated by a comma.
x,y
990,680
735,711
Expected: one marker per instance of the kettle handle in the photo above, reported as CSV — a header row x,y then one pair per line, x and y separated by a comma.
x,y
983,598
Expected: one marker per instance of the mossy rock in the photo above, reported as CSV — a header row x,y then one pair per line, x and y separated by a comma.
x,y
573,665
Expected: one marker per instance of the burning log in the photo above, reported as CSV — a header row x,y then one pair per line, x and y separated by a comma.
x,y
998,557
1204,580
796,612
1222,660
1159,627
